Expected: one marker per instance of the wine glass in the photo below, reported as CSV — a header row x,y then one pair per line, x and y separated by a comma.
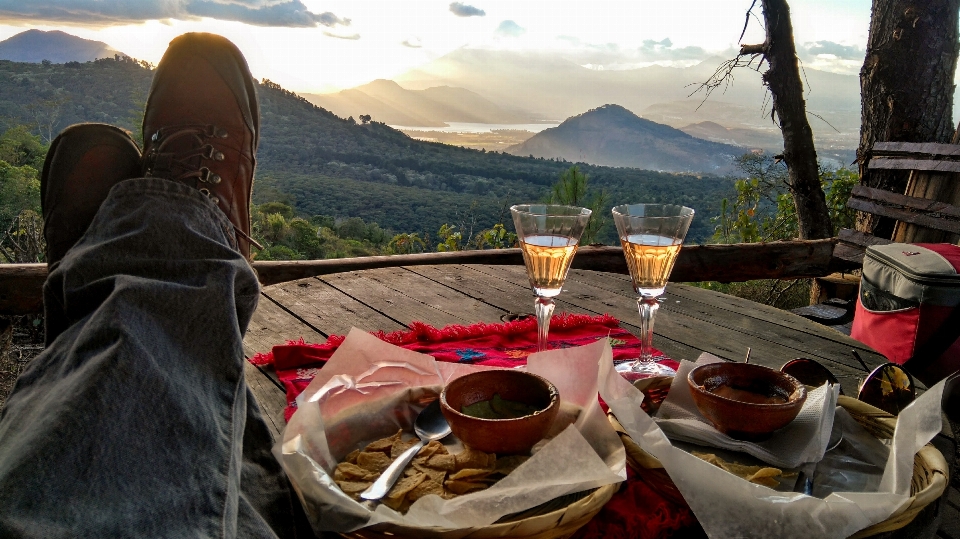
x,y
549,235
651,235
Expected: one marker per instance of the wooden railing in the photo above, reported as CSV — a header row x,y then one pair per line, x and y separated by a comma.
x,y
21,284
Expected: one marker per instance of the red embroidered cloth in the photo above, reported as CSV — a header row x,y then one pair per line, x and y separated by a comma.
x,y
637,510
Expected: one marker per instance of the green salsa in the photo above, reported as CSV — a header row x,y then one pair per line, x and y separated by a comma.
x,y
498,408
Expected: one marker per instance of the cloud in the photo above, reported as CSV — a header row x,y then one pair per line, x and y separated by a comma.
x,y
511,29
289,13
352,37
413,43
330,20
462,10
663,51
842,52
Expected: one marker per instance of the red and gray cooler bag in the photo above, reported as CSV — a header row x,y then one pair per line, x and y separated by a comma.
x,y
909,306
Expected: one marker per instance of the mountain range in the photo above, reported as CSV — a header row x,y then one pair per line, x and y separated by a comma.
x,y
613,136
322,164
554,88
387,102
54,46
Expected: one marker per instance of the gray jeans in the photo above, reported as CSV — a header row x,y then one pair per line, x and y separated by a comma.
x,y
136,420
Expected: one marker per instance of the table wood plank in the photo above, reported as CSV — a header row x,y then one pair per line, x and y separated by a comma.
x,y
724,333
270,398
807,338
328,310
407,297
686,333
271,325
514,297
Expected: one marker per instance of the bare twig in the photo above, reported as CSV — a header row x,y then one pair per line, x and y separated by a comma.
x,y
746,21
723,76
784,291
823,120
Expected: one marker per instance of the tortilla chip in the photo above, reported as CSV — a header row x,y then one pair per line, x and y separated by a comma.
x,y
431,449
463,487
354,488
373,461
433,471
442,462
405,485
470,474
399,446
347,471
399,505
761,475
383,445
471,458
427,487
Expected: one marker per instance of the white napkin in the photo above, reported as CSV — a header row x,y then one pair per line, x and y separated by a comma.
x,y
727,506
805,439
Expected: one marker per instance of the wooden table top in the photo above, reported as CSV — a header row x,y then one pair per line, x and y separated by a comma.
x,y
690,321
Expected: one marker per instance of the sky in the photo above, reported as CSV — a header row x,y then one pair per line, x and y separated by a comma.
x,y
324,46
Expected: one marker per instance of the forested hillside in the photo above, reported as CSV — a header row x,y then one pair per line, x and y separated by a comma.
x,y
325,165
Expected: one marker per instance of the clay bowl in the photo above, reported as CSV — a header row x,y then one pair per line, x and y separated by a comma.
x,y
745,401
500,436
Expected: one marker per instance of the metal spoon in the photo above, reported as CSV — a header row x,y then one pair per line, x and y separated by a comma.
x,y
430,425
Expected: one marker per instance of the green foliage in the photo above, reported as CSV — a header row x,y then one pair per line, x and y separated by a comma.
x,y
19,190
23,239
285,210
52,97
18,148
450,239
571,190
286,237
782,294
405,244
763,209
496,238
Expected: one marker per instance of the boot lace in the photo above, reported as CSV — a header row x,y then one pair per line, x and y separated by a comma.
x,y
178,154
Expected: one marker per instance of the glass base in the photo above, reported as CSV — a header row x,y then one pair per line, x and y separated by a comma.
x,y
635,370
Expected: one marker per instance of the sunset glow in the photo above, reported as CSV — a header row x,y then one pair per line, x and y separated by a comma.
x,y
322,46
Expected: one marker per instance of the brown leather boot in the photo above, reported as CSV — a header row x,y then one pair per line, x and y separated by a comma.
x,y
83,163
202,125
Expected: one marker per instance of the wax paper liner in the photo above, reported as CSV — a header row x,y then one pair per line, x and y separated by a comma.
x,y
368,389
727,506
803,440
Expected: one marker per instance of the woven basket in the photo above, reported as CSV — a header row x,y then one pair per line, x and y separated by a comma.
x,y
557,519
929,467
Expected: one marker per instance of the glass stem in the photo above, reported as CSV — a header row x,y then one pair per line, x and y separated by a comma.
x,y
648,309
544,309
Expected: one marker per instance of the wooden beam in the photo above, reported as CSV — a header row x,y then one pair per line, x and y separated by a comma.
x,y
853,244
938,223
21,288
931,149
21,284
925,205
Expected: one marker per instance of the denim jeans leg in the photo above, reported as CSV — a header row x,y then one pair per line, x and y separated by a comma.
x,y
133,422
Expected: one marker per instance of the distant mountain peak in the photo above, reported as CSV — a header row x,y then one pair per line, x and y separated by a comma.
x,y
612,135
34,46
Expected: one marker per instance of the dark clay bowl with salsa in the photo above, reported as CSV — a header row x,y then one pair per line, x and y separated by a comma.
x,y
500,411
746,401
